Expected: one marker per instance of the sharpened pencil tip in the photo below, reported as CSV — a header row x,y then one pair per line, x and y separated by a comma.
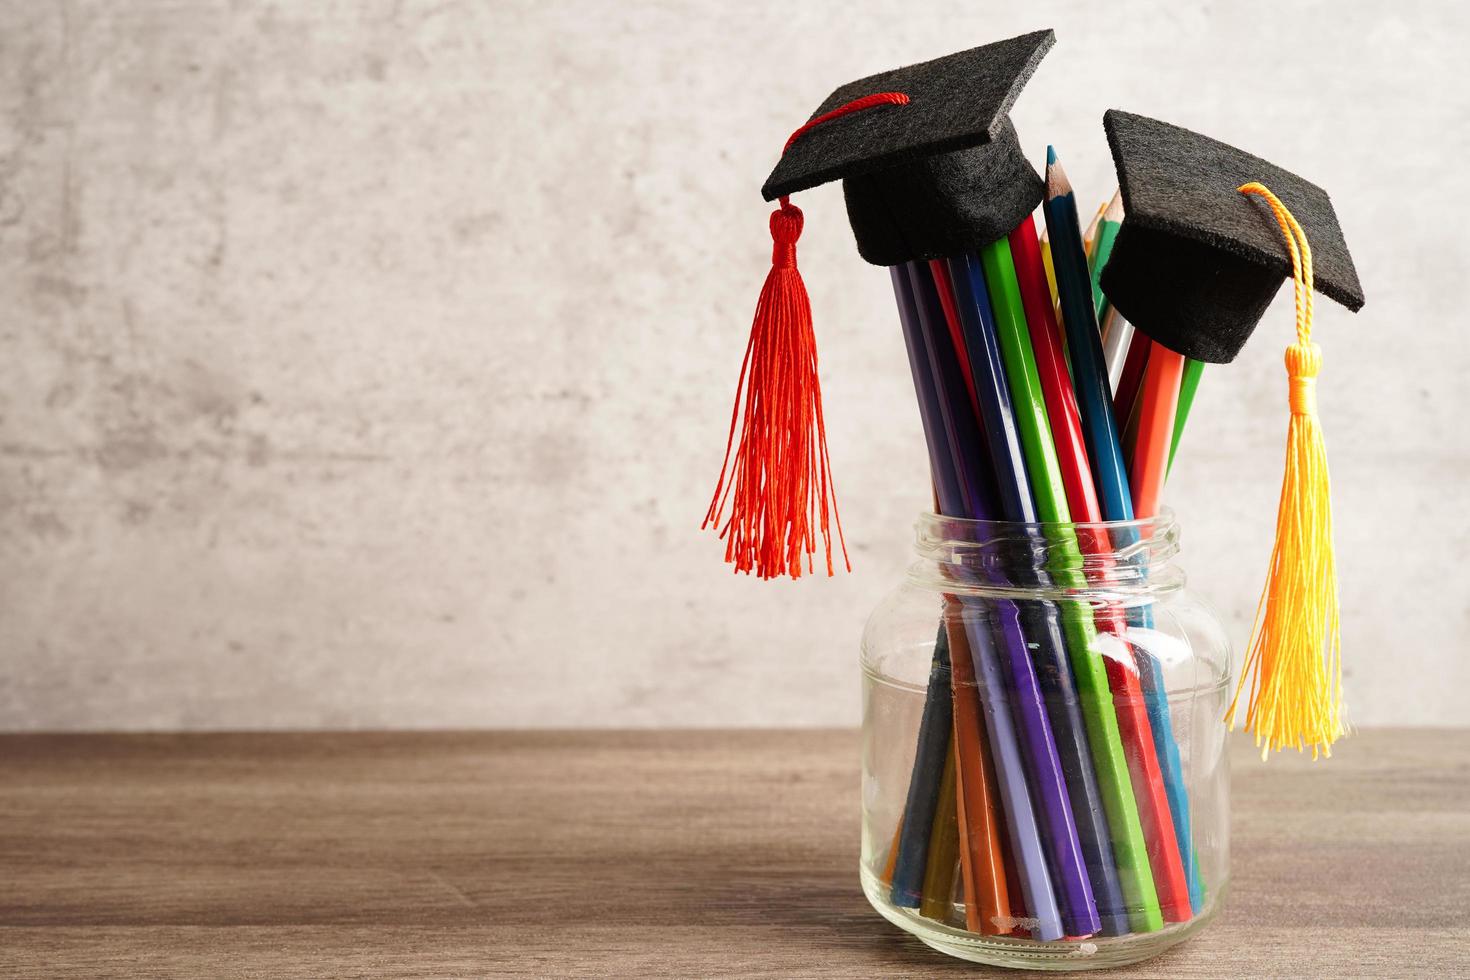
x,y
1057,183
1114,213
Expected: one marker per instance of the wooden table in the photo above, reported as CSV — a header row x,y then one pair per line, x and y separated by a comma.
x,y
635,854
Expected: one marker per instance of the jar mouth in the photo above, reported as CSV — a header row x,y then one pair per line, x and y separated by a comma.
x,y
963,528
1072,556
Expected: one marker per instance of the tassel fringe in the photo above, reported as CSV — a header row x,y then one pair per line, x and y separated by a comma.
x,y
779,489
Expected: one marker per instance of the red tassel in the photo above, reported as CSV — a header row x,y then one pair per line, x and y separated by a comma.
x,y
780,486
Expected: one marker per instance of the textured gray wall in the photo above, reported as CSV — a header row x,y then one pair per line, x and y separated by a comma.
x,y
369,364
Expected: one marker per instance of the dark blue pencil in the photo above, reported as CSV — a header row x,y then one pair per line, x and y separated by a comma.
x,y
1110,472
936,726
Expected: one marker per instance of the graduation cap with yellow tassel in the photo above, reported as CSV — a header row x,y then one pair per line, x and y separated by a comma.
x,y
1209,236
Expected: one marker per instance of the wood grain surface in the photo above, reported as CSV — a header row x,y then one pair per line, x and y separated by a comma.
x,y
667,854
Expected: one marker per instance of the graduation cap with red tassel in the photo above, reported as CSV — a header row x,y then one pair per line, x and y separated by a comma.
x,y
931,167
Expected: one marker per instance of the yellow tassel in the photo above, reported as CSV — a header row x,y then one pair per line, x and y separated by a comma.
x,y
1295,659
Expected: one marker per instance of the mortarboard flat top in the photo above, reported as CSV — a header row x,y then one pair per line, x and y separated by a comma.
x,y
957,101
937,176
1196,263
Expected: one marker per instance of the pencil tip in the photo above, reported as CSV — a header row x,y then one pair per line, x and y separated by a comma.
x,y
1114,212
1057,183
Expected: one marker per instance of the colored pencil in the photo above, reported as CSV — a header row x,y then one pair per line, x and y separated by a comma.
x,y
1128,434
1027,845
982,855
1084,346
891,861
959,431
957,492
1111,755
1130,376
935,729
1089,237
1071,451
1117,333
1152,432
1051,277
940,873
1102,248
936,722
1043,620
1152,761
1157,406
1039,625
1188,385
939,271
1024,745
1063,413
947,489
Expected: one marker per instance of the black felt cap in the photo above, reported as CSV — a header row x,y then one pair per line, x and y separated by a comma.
x,y
940,175
1196,262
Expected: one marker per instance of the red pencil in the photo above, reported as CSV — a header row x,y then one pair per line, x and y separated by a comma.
x,y
940,271
1066,427
1131,380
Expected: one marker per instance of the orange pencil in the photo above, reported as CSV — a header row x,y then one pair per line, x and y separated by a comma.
x,y
982,861
892,861
1157,403
1089,237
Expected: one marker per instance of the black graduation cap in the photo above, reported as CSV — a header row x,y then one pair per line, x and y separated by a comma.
x,y
932,176
1196,262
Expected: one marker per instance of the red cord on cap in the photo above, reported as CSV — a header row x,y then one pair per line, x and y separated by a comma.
x,y
780,486
856,105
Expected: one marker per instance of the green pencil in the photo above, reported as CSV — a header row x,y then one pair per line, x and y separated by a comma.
x,y
1114,782
1102,247
1188,385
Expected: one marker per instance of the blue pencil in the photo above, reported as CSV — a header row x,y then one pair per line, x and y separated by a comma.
x,y
1043,622
1110,472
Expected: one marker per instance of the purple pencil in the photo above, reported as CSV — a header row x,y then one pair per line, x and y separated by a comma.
x,y
1015,717
935,724
1045,771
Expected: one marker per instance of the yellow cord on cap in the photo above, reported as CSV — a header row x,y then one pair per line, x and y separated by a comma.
x,y
1295,659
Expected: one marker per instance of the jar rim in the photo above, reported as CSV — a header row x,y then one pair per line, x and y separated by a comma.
x,y
1070,556
930,522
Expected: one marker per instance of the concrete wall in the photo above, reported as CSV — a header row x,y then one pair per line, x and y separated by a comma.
x,y
368,364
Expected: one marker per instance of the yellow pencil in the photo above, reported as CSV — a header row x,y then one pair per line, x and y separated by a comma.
x,y
1051,273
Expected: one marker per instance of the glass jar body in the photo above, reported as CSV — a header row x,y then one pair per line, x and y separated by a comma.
x,y
1045,782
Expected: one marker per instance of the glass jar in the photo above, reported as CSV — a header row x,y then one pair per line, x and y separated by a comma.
x,y
1045,782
